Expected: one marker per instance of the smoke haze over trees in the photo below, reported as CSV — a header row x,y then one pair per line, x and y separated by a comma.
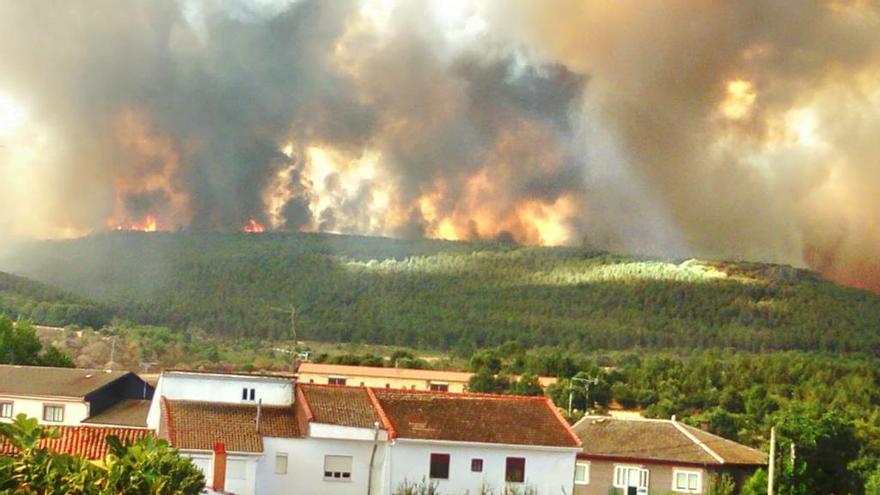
x,y
744,130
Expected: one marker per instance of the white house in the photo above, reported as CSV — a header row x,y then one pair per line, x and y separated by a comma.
x,y
358,440
72,396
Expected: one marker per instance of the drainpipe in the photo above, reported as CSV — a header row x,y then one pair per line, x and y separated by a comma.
x,y
373,457
259,413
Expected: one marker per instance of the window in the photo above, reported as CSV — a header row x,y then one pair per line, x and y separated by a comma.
x,y
235,469
582,473
631,477
248,394
281,463
477,465
244,394
336,380
515,470
253,394
440,387
54,414
203,463
685,481
439,467
5,409
337,467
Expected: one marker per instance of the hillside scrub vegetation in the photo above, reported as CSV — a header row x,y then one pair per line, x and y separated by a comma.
x,y
446,295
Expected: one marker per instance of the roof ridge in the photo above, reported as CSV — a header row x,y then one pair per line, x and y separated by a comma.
x,y
719,438
563,422
386,422
697,441
474,395
169,422
305,402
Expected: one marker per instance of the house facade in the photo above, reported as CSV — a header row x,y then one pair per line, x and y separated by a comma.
x,y
647,456
341,439
72,397
394,378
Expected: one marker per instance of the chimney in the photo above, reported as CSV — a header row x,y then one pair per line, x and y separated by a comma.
x,y
673,418
259,413
218,483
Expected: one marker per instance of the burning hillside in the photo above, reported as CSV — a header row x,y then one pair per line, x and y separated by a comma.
x,y
667,128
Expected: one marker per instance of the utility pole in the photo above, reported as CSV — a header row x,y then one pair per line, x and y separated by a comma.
x,y
292,311
772,464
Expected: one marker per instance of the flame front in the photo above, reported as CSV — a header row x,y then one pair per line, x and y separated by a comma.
x,y
253,227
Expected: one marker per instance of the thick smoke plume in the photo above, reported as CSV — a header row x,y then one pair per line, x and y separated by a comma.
x,y
727,129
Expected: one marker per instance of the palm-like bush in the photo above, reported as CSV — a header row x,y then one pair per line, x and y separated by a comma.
x,y
148,466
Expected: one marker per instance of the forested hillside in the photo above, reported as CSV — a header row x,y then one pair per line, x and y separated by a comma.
x,y
441,294
42,304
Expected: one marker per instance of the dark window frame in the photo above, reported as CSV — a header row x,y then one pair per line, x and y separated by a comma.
x,y
515,470
439,467
476,465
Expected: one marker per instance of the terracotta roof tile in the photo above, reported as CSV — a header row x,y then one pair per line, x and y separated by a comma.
x,y
474,418
192,425
85,441
661,441
55,382
338,405
128,412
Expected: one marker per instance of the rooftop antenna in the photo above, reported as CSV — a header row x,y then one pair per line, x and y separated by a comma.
x,y
259,413
145,366
587,382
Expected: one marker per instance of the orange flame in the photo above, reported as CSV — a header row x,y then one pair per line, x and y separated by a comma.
x,y
148,225
253,227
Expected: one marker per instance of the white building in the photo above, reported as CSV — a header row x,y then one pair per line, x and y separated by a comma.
x,y
72,396
357,440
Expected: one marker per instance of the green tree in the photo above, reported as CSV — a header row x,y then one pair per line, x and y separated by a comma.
x,y
18,342
527,385
51,356
872,487
149,466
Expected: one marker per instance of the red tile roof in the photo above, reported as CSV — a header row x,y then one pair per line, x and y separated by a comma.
x,y
481,418
85,441
660,441
338,405
193,425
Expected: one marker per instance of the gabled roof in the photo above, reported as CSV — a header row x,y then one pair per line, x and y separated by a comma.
x,y
481,418
195,425
442,376
54,382
127,412
338,405
660,441
88,442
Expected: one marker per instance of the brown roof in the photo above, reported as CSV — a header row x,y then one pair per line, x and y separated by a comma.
x,y
54,382
127,412
193,425
397,373
85,441
501,419
660,441
338,405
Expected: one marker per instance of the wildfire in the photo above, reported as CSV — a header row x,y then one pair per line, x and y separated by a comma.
x,y
148,225
253,227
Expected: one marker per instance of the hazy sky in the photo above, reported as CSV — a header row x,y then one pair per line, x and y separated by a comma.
x,y
743,129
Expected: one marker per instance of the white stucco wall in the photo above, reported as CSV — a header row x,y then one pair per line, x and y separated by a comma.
x,y
74,411
246,486
305,468
218,388
549,471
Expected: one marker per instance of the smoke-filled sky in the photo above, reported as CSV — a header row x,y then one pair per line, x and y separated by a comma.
x,y
741,129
